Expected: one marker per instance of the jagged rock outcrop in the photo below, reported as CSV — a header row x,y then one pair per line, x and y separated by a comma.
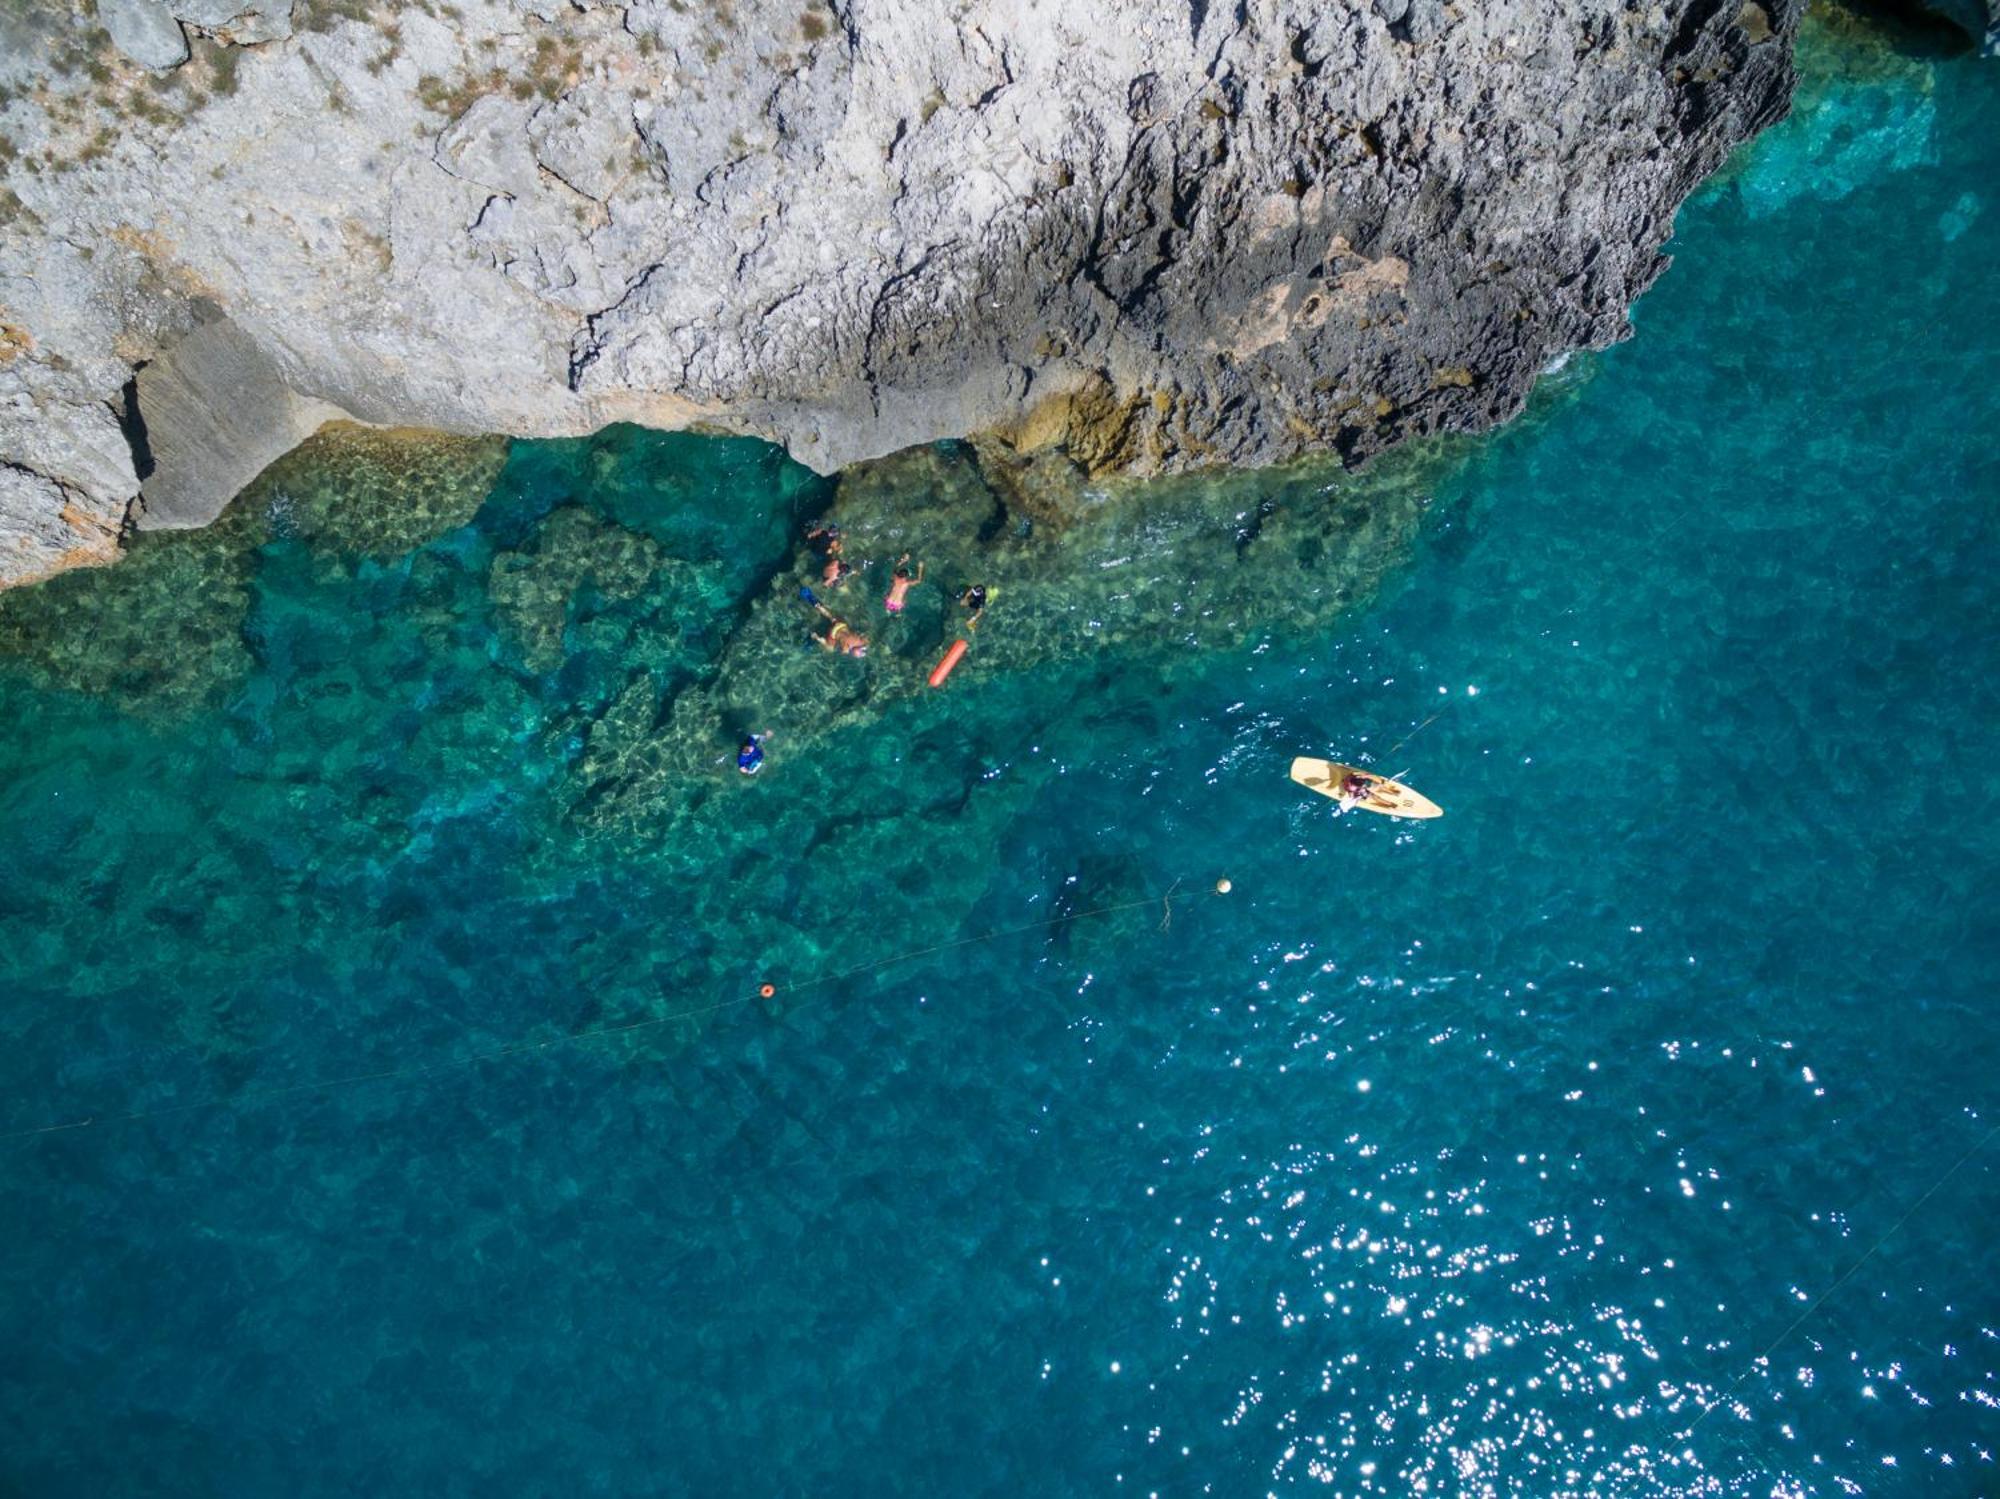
x,y
215,414
1154,235
145,31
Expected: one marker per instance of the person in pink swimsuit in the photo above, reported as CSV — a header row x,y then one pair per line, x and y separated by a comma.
x,y
901,584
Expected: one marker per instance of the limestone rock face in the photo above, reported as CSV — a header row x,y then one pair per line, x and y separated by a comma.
x,y
234,21
144,31
47,526
1151,235
216,414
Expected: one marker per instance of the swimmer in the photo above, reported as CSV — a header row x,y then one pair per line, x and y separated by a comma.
x,y
902,583
844,639
825,540
750,756
835,572
973,600
840,637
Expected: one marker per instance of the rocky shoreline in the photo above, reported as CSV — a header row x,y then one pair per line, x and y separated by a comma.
x,y
1147,238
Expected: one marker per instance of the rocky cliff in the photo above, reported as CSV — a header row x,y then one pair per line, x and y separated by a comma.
x,y
1148,235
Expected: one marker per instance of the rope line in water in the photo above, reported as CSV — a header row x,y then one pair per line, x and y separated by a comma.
x,y
1729,1395
594,1033
1416,731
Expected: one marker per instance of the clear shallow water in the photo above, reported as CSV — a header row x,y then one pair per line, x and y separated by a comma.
x,y
1681,1007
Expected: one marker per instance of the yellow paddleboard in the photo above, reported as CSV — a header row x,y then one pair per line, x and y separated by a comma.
x,y
1390,798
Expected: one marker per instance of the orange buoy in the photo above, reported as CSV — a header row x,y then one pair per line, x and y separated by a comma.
x,y
951,658
768,990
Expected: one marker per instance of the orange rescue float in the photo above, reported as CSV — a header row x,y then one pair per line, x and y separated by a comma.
x,y
951,658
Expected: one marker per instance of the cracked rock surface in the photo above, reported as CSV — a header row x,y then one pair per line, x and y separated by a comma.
x,y
1154,236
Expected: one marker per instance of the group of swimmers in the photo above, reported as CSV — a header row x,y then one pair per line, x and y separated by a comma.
x,y
839,636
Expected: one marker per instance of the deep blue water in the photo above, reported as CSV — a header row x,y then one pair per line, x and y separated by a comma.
x,y
1484,1155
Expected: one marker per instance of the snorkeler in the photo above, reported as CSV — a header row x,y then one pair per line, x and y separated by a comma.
x,y
835,572
901,584
973,600
750,756
840,636
825,540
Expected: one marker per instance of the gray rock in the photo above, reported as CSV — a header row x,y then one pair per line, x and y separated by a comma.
x,y
215,398
1157,236
47,527
234,21
145,31
585,139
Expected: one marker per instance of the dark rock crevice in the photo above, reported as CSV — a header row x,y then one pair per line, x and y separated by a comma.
x,y
132,422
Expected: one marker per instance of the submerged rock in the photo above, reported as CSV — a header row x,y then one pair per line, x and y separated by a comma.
x,y
1152,237
535,591
380,493
628,630
1156,572
164,633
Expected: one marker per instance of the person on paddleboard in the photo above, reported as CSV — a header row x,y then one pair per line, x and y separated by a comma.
x,y
1354,789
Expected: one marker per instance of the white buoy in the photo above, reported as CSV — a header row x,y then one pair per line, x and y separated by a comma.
x,y
1223,887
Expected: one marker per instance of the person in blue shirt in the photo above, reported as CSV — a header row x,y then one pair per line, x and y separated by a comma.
x,y
750,758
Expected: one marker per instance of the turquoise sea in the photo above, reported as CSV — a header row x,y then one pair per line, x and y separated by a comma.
x,y
389,1107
